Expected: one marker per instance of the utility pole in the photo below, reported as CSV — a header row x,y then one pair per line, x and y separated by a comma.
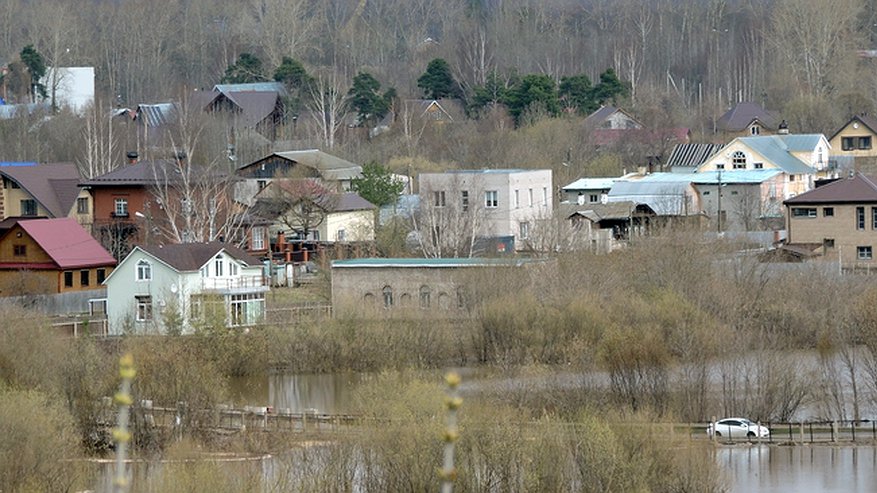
x,y
719,205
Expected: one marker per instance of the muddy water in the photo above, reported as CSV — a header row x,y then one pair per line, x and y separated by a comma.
x,y
802,469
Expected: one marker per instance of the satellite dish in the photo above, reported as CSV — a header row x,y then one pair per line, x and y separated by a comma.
x,y
173,288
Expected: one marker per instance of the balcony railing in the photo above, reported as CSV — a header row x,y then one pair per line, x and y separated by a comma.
x,y
230,283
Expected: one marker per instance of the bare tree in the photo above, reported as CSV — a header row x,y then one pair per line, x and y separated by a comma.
x,y
450,219
101,143
302,205
328,106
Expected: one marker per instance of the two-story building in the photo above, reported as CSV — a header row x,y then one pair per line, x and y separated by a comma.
x,y
58,254
837,221
157,289
856,138
507,201
44,190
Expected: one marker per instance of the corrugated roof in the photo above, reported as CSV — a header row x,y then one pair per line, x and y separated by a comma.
x,y
431,262
486,171
742,114
665,193
143,173
55,186
621,209
691,155
67,243
189,257
856,189
155,115
255,105
351,201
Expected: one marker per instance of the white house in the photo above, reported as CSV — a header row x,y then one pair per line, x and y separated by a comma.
x,y
157,285
510,200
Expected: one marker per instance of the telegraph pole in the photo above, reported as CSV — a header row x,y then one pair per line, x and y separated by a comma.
x,y
719,205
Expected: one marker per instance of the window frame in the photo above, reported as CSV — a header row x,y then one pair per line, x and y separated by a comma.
x,y
120,207
863,143
82,205
143,270
848,143
864,252
860,218
68,279
439,198
491,199
19,250
84,277
143,308
828,212
29,207
804,212
464,198
738,160
258,238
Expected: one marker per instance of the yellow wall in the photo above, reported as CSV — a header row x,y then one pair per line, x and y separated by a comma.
x,y
850,131
841,228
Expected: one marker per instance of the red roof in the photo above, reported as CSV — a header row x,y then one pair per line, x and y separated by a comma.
x,y
67,243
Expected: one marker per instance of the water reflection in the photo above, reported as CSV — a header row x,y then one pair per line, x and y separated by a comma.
x,y
328,393
801,469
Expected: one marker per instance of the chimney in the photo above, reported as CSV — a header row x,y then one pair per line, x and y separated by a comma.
x,y
783,128
132,157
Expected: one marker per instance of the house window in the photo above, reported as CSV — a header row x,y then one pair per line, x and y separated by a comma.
x,y
217,266
341,235
82,205
101,275
720,166
84,277
734,192
828,243
706,192
738,159
544,196
530,197
28,207
258,238
593,198
232,269
246,309
424,297
874,218
758,165
68,279
847,143
525,230
439,198
864,143
388,296
491,199
19,250
803,212
864,253
143,309
828,212
262,184
517,199
791,177
860,218
754,130
121,208
144,271
464,195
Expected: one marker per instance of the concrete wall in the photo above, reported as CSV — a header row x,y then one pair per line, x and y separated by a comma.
x,y
841,227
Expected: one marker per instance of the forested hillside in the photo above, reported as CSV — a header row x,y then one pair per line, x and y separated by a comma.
x,y
683,62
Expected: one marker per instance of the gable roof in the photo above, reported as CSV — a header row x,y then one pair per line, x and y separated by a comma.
x,y
143,173
622,209
858,188
590,184
330,167
270,207
596,118
778,150
155,115
665,193
276,87
255,105
866,120
742,114
67,243
189,257
691,155
55,186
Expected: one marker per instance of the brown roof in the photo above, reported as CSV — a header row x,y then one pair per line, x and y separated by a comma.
x,y
143,173
187,257
855,189
255,105
55,186
742,114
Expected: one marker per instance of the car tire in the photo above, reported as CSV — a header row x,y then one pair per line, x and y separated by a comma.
x,y
751,434
718,433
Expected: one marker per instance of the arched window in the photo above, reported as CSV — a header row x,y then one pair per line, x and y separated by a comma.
x,y
388,296
368,298
424,297
144,270
739,160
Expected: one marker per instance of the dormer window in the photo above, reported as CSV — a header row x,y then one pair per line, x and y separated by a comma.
x,y
217,266
144,270
739,160
754,130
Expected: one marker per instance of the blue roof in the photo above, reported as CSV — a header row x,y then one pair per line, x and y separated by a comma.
x,y
734,176
7,164
432,262
778,148
590,184
490,171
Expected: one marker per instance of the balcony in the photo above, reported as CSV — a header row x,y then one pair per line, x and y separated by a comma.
x,y
234,284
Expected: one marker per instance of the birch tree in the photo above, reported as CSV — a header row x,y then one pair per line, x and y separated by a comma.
x,y
450,219
328,106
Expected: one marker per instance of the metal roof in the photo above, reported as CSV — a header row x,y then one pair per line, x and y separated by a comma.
x,y
590,184
154,115
734,176
777,149
855,189
691,155
188,257
330,167
67,243
742,114
277,87
665,193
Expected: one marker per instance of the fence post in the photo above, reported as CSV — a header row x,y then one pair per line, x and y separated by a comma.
x,y
758,432
713,424
791,439
853,429
802,432
834,431
811,432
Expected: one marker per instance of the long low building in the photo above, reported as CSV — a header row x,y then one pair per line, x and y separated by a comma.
x,y
420,287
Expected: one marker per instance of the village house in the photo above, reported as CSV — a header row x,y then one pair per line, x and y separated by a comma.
x,y
837,221
747,119
332,171
44,190
57,254
856,140
157,289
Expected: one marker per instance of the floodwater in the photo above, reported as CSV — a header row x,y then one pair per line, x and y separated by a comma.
x,y
800,469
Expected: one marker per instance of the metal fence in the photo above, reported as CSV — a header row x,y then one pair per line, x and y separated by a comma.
x,y
840,431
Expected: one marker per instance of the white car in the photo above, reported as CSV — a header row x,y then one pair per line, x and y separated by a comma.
x,y
737,428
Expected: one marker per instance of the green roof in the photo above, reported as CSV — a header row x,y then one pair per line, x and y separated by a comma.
x,y
431,262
